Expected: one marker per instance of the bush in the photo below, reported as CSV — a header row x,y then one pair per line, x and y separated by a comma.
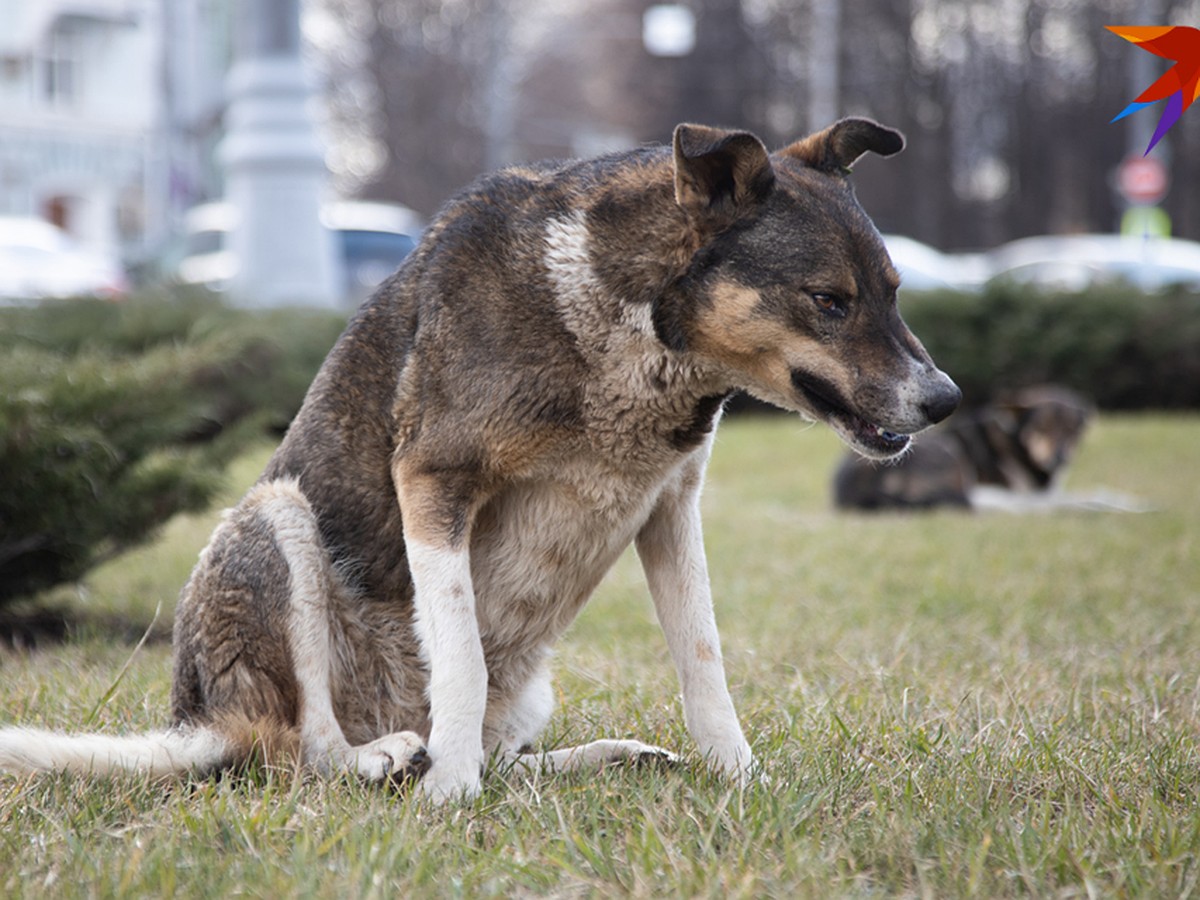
x,y
114,417
260,362
1123,349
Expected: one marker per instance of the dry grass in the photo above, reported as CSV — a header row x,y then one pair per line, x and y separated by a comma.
x,y
947,705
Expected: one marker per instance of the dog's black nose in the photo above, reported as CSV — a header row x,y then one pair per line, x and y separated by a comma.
x,y
941,401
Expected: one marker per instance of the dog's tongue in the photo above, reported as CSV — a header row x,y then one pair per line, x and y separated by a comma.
x,y
882,438
889,435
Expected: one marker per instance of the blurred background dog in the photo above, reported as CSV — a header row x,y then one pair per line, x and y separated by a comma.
x,y
1010,455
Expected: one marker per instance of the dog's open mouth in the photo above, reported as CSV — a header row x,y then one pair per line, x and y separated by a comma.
x,y
865,436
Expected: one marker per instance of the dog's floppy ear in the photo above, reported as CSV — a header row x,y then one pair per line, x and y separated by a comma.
x,y
719,175
836,149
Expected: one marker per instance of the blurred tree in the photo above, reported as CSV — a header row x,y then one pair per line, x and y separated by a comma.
x,y
1006,103
408,86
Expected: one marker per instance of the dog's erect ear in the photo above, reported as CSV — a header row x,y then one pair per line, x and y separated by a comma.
x,y
836,149
719,175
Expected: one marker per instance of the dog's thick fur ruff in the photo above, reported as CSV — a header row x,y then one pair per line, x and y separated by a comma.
x,y
535,389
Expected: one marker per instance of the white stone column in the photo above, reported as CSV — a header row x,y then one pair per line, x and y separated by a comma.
x,y
275,173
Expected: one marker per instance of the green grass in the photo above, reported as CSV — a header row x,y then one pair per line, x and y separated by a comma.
x,y
947,705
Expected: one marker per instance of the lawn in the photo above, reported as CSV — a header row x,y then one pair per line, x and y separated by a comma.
x,y
946,705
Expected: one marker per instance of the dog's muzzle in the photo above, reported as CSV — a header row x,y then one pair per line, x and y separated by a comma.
x,y
942,399
864,435
890,437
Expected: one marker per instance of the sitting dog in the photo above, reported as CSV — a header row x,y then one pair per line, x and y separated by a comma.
x,y
1009,455
536,388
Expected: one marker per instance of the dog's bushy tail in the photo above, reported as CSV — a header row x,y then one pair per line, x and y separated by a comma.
x,y
195,749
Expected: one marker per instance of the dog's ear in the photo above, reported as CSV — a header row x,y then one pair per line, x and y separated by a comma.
x,y
719,175
836,149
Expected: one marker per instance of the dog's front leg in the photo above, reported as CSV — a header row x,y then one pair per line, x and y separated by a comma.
x,y
436,533
671,549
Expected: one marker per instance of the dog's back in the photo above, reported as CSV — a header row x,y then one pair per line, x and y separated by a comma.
x,y
930,474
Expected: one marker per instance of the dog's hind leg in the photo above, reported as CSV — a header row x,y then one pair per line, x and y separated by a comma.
x,y
254,636
310,621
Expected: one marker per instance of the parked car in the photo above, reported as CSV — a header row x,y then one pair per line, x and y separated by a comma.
x,y
38,260
1075,262
923,268
373,239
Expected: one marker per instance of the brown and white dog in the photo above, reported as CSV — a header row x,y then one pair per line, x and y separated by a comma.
x,y
1010,455
535,389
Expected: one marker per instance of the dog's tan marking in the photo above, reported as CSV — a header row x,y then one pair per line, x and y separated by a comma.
x,y
735,331
437,506
1043,449
731,331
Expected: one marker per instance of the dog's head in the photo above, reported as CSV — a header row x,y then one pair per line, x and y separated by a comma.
x,y
1048,421
791,290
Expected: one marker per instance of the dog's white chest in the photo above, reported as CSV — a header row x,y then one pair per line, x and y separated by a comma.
x,y
540,549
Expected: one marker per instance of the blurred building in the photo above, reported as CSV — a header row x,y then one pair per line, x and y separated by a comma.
x,y
109,110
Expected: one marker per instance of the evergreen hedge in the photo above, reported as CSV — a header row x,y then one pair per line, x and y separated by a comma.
x,y
1124,349
114,417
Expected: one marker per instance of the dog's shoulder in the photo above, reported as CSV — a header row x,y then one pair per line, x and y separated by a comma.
x,y
519,333
533,295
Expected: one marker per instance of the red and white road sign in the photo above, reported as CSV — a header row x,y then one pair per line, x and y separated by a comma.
x,y
1142,180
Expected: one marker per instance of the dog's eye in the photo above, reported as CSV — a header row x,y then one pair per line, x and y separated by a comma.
x,y
830,304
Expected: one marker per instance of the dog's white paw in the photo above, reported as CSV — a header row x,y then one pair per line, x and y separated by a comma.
x,y
635,753
446,782
736,763
750,774
602,753
397,757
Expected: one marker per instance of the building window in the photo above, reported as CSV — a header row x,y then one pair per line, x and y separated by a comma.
x,y
60,65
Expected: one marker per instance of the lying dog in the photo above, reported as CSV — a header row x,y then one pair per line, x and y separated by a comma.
x,y
535,389
1009,455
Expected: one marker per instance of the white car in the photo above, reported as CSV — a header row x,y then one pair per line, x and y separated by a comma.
x,y
923,268
38,260
373,239
1075,262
